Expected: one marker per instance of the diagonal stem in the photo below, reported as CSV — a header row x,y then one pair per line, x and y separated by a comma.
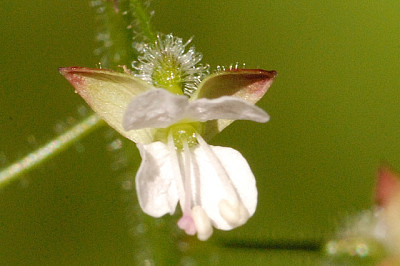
x,y
50,149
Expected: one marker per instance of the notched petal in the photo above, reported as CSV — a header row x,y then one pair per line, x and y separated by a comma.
x,y
247,84
108,93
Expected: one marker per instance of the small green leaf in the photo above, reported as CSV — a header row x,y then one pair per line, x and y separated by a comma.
x,y
108,93
247,84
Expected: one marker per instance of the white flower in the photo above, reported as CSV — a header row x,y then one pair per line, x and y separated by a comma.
x,y
214,185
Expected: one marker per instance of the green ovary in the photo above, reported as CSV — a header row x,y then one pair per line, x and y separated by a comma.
x,y
167,75
181,132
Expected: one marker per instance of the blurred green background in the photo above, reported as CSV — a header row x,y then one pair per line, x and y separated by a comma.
x,y
334,119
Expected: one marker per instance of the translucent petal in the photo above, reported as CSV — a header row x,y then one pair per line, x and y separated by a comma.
x,y
225,107
155,183
247,84
209,190
156,108
108,93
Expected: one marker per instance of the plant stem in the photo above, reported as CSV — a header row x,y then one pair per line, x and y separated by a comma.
x,y
143,20
115,33
49,150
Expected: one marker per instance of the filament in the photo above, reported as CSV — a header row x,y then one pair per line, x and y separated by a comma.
x,y
176,169
187,178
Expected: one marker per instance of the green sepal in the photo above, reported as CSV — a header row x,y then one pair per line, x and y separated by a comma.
x,y
247,84
108,93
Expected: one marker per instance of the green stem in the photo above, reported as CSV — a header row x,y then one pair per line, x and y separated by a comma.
x,y
49,150
143,20
115,34
122,23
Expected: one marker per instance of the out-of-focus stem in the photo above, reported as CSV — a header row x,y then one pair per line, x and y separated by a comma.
x,y
116,33
143,20
49,150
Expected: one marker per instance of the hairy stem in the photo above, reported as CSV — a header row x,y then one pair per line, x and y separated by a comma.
x,y
142,20
49,150
115,33
122,23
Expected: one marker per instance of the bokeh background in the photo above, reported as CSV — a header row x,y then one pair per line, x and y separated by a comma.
x,y
334,119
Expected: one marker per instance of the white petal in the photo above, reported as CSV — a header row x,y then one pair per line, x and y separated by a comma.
x,y
210,190
226,107
156,108
155,183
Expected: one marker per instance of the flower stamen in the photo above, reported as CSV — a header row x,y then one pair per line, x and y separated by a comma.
x,y
202,222
183,180
176,169
187,224
187,178
235,215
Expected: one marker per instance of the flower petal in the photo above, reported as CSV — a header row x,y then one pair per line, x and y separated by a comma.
x,y
247,84
155,183
226,107
108,93
156,108
210,190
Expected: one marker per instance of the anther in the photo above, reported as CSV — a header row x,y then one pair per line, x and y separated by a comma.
x,y
234,214
187,224
202,222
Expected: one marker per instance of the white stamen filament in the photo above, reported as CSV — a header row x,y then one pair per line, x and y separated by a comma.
x,y
182,179
176,169
187,178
